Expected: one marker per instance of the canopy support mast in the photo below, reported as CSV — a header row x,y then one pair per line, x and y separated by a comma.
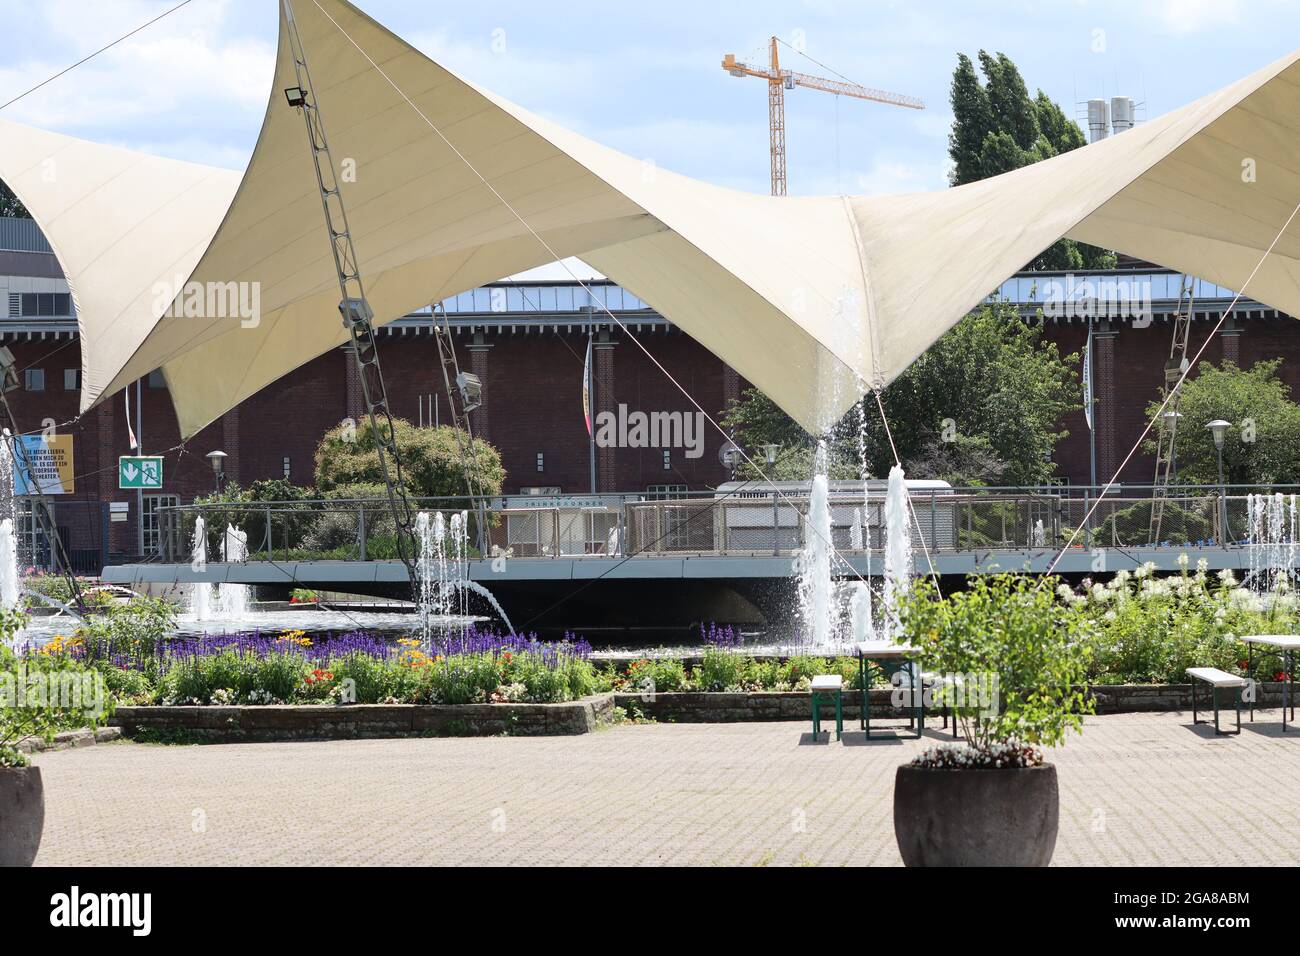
x,y
356,311
1166,443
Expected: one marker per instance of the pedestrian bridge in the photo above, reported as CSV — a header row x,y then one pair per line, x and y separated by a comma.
x,y
726,556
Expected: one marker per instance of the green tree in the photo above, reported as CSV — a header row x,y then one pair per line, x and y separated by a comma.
x,y
1059,130
997,127
1262,447
972,121
1013,112
432,466
982,405
10,206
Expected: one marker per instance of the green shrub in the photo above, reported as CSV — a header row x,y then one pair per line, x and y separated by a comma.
x,y
42,695
1018,655
1150,630
662,675
134,630
724,670
246,677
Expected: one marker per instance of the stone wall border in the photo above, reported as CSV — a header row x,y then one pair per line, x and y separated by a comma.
x,y
707,708
334,722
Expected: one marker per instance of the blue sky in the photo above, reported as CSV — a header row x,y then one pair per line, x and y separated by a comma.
x,y
645,78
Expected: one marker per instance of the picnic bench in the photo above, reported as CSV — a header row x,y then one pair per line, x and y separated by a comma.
x,y
1217,680
827,684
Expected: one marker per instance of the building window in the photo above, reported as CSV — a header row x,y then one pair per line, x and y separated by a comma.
x,y
15,304
156,379
664,492
36,304
668,460
71,379
286,467
35,380
541,461
151,520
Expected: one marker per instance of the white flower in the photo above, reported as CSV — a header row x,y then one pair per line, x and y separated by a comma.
x,y
1183,560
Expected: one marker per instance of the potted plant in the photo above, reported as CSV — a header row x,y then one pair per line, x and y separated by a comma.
x,y
1009,662
40,695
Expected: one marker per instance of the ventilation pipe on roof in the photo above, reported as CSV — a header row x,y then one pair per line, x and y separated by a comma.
x,y
1098,120
1121,114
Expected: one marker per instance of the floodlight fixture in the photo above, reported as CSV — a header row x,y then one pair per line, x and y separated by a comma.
x,y
471,390
8,369
355,312
296,96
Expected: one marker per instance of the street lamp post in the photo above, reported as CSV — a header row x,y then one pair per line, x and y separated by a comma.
x,y
217,459
1219,429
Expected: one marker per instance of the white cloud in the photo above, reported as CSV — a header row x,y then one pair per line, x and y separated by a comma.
x,y
187,86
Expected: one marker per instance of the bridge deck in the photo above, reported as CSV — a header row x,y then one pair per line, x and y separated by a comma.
x,y
338,574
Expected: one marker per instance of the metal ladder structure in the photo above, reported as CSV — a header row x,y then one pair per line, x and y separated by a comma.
x,y
355,310
460,402
1166,443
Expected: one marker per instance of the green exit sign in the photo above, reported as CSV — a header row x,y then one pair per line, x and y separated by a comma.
x,y
140,472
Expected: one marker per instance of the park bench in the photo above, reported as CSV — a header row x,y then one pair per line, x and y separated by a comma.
x,y
827,684
1217,680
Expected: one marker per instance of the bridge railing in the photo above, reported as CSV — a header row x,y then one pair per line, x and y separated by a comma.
x,y
747,522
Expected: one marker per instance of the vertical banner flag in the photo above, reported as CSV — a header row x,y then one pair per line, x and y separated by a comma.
x,y
1087,381
586,386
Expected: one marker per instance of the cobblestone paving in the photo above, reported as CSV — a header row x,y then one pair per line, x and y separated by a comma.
x,y
1135,789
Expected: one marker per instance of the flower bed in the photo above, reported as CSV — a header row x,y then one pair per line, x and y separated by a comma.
x,y
1147,629
142,667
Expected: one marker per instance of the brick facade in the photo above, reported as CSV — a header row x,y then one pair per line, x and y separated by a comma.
x,y
532,379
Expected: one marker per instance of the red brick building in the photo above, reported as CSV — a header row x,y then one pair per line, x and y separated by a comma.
x,y
527,343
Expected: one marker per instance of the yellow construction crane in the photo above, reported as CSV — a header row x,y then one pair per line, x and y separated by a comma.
x,y
779,80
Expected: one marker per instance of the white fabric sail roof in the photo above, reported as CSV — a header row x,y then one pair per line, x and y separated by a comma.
x,y
804,297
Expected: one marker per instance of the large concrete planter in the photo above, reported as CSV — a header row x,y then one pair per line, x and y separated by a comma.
x,y
976,817
22,815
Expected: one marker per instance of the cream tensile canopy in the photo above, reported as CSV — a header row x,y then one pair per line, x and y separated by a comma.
x,y
804,297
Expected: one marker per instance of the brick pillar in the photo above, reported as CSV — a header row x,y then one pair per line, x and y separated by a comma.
x,y
230,443
478,365
355,406
122,537
730,387
1103,391
604,401
1231,336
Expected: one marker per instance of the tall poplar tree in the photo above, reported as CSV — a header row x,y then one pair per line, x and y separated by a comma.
x,y
998,127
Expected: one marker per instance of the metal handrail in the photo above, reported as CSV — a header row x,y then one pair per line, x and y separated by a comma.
x,y
760,523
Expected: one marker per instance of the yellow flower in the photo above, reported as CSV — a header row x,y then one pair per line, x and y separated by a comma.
x,y
298,637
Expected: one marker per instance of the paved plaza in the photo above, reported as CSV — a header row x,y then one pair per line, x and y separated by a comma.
x,y
1136,789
